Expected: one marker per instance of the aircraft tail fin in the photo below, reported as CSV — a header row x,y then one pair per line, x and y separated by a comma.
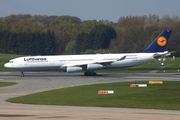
x,y
159,44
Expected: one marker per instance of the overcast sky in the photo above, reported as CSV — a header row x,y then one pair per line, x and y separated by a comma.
x,y
110,10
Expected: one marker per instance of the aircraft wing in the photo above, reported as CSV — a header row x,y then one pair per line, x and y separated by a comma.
x,y
93,62
110,61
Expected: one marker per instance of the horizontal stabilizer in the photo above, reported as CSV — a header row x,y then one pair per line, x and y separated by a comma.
x,y
157,56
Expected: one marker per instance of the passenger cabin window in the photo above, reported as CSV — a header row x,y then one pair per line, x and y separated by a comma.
x,y
62,60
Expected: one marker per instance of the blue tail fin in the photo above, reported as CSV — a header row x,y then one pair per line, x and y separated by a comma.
x,y
159,44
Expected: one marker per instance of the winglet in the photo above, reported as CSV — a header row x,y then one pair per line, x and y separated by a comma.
x,y
159,44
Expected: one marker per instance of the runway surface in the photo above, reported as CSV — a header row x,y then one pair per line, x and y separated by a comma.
x,y
42,81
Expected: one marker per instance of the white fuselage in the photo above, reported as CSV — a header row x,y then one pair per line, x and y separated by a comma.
x,y
61,62
89,63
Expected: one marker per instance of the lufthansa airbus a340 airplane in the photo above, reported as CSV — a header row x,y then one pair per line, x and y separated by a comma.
x,y
89,63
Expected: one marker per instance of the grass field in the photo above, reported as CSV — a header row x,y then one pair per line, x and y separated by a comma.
x,y
4,84
174,66
165,96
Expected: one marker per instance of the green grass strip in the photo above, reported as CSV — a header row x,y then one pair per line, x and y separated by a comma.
x,y
165,96
4,84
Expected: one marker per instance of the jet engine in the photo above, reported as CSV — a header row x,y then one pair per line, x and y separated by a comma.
x,y
94,66
74,69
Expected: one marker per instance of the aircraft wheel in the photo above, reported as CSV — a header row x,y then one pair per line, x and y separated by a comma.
x,y
93,74
85,73
90,74
22,74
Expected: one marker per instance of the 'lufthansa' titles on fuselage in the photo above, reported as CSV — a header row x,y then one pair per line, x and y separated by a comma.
x,y
35,59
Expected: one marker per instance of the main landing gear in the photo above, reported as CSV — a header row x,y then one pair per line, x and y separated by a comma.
x,y
90,73
22,74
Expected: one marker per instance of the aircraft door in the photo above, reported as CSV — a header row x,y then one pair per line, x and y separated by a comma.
x,y
20,63
139,58
98,59
52,61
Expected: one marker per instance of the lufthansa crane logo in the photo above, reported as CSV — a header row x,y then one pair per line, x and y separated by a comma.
x,y
161,41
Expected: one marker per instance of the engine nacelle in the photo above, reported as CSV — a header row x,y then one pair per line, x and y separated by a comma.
x,y
74,69
94,66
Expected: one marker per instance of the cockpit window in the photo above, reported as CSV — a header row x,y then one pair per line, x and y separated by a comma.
x,y
10,61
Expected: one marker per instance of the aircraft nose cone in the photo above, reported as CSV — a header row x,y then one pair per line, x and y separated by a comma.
x,y
6,65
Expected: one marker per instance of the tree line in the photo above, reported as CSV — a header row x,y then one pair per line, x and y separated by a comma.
x,y
97,38
46,35
27,43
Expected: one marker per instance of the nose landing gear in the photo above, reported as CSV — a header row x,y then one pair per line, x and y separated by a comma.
x,y
22,74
